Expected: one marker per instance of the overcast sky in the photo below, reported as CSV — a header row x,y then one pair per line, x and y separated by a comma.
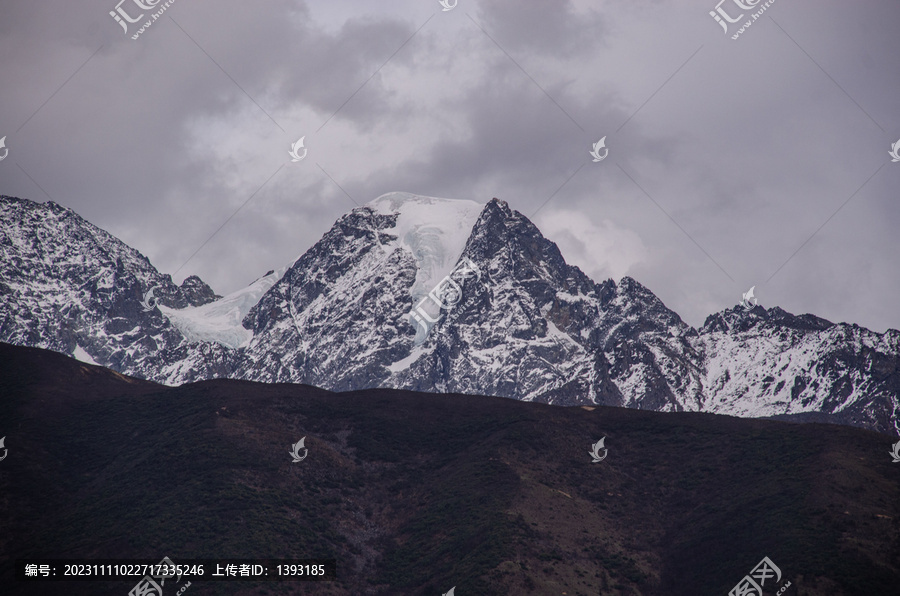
x,y
761,160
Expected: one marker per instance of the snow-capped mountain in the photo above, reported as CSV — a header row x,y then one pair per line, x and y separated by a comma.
x,y
69,286
439,295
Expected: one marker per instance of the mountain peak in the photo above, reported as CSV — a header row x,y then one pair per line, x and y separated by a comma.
x,y
740,318
432,230
398,202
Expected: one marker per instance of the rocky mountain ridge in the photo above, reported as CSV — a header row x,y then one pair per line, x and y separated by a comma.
x,y
378,302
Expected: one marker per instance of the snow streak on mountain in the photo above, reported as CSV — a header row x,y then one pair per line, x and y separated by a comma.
x,y
527,326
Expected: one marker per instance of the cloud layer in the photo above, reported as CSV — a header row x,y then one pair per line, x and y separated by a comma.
x,y
757,161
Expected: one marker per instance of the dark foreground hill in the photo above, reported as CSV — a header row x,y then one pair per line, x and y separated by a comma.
x,y
414,493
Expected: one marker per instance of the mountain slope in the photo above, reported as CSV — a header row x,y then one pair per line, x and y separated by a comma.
x,y
69,286
765,362
413,493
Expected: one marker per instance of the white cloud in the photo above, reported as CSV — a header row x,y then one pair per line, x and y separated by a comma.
x,y
602,250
